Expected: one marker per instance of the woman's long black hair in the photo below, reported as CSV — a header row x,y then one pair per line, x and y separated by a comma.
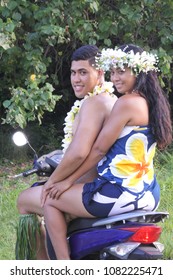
x,y
148,86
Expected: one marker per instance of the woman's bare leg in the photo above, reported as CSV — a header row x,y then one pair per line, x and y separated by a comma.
x,y
29,201
69,202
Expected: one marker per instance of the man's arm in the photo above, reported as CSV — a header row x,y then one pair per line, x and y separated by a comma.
x,y
91,118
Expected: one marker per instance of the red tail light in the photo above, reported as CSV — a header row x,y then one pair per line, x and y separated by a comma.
x,y
145,234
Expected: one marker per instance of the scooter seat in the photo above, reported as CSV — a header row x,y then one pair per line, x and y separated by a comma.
x,y
133,216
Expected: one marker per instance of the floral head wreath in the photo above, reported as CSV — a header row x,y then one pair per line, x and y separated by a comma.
x,y
117,58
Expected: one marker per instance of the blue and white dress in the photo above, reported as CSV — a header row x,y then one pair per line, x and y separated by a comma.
x,y
126,179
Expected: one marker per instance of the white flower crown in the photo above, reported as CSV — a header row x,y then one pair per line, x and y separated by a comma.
x,y
117,58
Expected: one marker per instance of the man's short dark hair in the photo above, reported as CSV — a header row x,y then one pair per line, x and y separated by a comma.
x,y
87,52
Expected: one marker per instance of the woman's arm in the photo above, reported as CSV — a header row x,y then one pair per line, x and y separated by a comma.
x,y
125,112
119,117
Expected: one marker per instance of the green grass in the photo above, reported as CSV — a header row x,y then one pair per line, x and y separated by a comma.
x,y
8,215
10,188
164,171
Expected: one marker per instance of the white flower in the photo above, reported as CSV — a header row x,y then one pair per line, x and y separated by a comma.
x,y
135,167
119,59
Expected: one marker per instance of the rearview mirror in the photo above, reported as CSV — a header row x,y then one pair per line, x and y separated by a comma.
x,y
19,138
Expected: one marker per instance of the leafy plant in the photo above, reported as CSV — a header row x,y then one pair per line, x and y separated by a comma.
x,y
38,37
30,103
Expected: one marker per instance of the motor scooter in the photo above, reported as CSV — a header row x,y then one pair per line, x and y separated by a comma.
x,y
129,236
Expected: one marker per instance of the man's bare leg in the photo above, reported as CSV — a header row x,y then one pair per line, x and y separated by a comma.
x,y
28,203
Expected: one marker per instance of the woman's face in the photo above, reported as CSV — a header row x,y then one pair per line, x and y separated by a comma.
x,y
123,80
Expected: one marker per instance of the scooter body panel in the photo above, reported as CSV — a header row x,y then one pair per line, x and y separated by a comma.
x,y
86,242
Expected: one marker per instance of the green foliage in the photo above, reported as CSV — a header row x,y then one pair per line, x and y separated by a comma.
x,y
27,104
37,38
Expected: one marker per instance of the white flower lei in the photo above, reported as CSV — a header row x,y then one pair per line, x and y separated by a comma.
x,y
119,59
106,87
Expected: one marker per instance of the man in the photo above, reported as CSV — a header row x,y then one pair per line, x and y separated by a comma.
x,y
88,121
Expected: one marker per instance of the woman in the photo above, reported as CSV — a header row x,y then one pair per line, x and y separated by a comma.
x,y
140,119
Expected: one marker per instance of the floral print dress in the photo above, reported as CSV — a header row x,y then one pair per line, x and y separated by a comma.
x,y
126,179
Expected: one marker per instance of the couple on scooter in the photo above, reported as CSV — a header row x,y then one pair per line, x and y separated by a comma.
x,y
119,136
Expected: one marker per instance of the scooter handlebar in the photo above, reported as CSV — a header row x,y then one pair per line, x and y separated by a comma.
x,y
25,173
29,172
43,166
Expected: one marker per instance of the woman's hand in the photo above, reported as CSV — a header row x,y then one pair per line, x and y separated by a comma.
x,y
45,191
58,189
55,190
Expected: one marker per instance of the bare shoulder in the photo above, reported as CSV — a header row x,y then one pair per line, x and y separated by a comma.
x,y
134,108
131,101
100,100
